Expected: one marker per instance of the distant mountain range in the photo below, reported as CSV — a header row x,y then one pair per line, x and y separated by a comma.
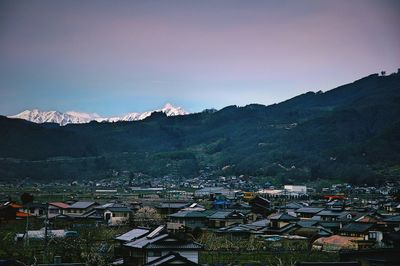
x,y
72,117
350,133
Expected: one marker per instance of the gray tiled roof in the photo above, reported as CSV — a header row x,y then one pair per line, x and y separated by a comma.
x,y
261,223
173,245
330,213
173,205
310,210
226,214
192,214
357,227
133,234
283,217
144,241
393,219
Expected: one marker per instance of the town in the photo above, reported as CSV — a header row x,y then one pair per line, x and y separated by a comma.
x,y
205,221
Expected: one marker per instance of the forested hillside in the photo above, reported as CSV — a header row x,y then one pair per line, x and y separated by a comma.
x,y
349,133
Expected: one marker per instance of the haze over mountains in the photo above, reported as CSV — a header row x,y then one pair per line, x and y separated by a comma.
x,y
73,117
350,133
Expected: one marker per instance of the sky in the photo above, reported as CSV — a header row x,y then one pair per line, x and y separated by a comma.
x,y
115,57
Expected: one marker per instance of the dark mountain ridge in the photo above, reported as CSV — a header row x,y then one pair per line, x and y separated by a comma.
x,y
350,133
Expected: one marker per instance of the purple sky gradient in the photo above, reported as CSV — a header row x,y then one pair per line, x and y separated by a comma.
x,y
113,57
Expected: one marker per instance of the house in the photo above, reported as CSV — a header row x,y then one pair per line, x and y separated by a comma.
x,y
310,229
260,205
190,219
356,229
291,207
239,231
9,210
307,212
132,235
166,208
393,222
328,215
225,218
194,207
391,206
280,220
280,224
157,244
113,213
34,209
221,202
127,237
56,208
80,208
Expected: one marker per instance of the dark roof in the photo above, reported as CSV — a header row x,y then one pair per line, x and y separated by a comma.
x,y
395,219
283,216
35,205
192,214
330,213
226,215
329,224
353,215
238,228
119,209
172,258
310,210
357,227
281,230
82,205
144,241
307,223
292,205
260,223
172,243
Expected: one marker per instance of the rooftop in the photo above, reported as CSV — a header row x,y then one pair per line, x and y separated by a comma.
x,y
82,205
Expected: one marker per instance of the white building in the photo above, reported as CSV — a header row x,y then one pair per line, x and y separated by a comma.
x,y
296,189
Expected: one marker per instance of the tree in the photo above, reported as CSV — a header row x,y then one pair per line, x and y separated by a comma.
x,y
383,73
26,198
147,216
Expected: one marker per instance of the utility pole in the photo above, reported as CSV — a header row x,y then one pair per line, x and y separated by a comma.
x,y
46,238
26,230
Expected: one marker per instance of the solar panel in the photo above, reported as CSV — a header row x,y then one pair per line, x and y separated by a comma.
x,y
156,231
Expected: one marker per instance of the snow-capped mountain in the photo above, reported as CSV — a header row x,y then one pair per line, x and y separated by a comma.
x,y
72,117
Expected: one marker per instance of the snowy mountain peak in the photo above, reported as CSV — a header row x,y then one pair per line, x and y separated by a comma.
x,y
74,117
